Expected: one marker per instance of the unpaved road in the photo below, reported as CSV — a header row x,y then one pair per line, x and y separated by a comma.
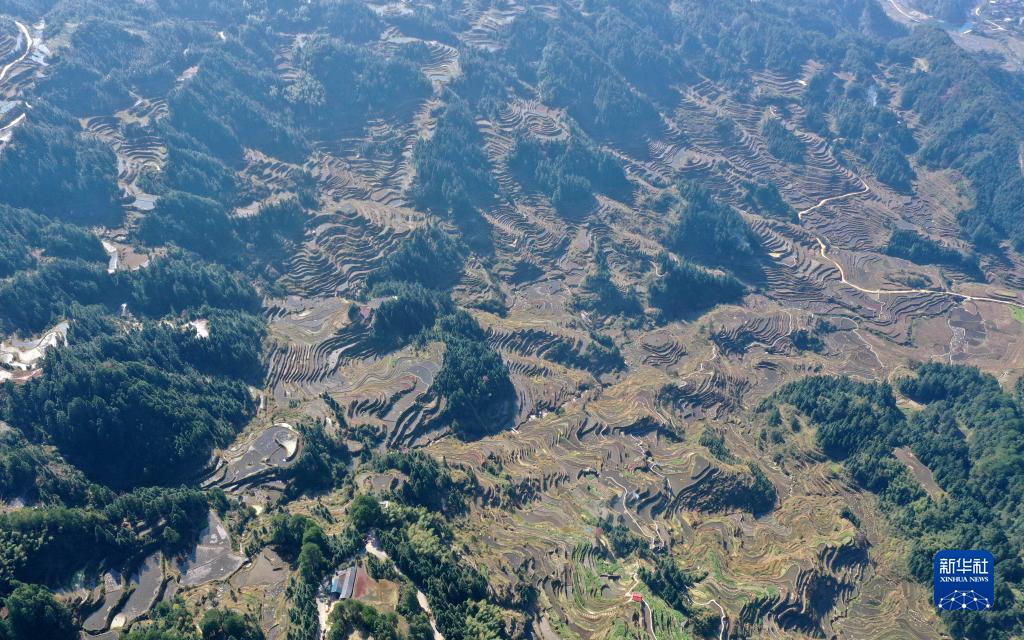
x,y
823,251
421,598
900,10
721,625
28,49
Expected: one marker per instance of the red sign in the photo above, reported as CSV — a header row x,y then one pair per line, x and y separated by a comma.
x,y
637,597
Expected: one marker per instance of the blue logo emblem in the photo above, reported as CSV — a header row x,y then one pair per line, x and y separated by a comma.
x,y
964,580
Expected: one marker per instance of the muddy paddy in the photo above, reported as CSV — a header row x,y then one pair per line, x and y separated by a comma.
x,y
271,449
20,357
213,558
120,601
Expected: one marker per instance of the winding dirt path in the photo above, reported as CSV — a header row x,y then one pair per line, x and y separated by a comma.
x,y
421,598
13,124
721,625
28,49
823,252
649,615
625,492
900,10
648,618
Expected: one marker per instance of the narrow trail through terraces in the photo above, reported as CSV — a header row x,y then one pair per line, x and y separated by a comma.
x,y
649,615
823,251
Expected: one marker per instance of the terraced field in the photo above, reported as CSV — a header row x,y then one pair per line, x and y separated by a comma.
x,y
591,441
